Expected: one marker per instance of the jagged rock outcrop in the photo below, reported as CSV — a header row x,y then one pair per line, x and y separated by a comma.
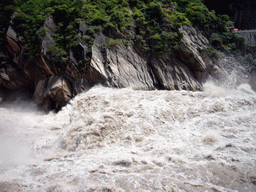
x,y
122,66
194,53
116,66
193,44
48,39
53,92
119,66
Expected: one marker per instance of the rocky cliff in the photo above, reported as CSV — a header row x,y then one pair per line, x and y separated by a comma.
x,y
120,65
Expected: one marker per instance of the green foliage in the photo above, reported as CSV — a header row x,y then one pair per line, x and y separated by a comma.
x,y
178,19
28,24
112,42
214,53
58,54
226,40
141,42
166,42
40,33
121,19
216,40
248,58
156,24
199,15
239,38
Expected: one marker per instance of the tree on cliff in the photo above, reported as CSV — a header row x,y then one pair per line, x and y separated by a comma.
x,y
156,22
60,38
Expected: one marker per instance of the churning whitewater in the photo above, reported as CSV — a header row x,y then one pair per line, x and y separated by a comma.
x,y
133,140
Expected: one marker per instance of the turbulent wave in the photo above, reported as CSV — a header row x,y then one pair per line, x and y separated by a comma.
x,y
133,140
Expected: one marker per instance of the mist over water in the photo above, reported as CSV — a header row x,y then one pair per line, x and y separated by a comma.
x,y
133,140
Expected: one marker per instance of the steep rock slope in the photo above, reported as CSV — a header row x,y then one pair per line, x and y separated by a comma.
x,y
119,65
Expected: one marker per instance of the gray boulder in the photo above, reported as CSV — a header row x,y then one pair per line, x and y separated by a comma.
x,y
48,40
53,93
121,66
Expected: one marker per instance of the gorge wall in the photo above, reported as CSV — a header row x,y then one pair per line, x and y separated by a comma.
x,y
54,50
116,66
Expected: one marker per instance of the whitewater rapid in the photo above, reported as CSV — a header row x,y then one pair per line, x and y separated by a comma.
x,y
133,140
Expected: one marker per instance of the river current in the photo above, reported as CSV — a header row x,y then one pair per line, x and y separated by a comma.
x,y
133,140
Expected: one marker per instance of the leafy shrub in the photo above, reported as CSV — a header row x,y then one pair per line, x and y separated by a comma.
x,y
166,42
226,40
112,42
58,54
248,58
216,40
40,33
156,24
178,19
214,54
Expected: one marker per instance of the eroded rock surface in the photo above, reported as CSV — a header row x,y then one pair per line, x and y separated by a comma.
x,y
122,66
54,92
118,66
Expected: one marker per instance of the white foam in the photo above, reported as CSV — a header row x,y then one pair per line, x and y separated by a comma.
x,y
122,139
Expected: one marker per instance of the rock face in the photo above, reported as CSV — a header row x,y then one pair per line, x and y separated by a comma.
x,y
252,80
48,39
121,66
117,66
53,92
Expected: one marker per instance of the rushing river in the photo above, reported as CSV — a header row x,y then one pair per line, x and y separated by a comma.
x,y
133,140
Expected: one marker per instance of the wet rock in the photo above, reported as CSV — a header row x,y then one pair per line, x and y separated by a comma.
x,y
53,93
121,66
173,75
9,186
15,49
252,80
80,85
104,189
253,179
11,78
124,163
193,50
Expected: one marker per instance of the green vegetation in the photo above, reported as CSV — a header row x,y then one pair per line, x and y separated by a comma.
x,y
155,22
112,42
5,15
225,42
197,13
